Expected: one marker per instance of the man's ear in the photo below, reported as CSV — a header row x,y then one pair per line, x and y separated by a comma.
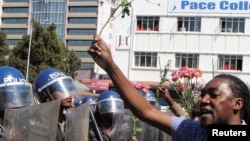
x,y
238,103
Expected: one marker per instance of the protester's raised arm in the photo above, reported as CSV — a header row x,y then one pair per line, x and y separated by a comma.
x,y
137,103
176,108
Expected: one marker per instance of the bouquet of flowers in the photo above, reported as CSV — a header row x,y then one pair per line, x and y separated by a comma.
x,y
184,83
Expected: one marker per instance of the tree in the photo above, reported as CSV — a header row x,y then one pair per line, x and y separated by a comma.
x,y
47,51
4,48
74,63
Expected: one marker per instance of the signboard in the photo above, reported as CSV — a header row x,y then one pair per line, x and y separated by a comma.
x,y
96,84
122,42
209,6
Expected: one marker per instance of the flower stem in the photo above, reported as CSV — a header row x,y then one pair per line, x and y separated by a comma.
x,y
124,4
109,19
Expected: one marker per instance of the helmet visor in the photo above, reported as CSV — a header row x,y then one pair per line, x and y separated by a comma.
x,y
110,106
15,96
65,87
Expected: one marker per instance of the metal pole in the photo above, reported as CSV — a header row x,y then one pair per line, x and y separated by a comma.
x,y
96,126
28,60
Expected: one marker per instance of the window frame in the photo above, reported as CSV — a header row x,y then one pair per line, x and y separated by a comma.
x,y
190,60
145,59
189,24
232,25
147,23
230,62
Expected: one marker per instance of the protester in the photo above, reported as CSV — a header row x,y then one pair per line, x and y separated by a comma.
x,y
15,92
111,119
224,100
52,84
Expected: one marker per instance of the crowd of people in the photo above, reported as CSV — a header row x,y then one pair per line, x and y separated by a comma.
x,y
223,100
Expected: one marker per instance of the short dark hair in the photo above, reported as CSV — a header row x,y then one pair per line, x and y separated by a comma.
x,y
240,90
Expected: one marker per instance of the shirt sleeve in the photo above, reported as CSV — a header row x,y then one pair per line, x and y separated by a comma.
x,y
187,130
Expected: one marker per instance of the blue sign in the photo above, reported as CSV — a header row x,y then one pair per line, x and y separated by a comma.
x,y
209,6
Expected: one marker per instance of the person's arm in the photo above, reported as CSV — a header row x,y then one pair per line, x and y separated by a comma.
x,y
176,108
137,103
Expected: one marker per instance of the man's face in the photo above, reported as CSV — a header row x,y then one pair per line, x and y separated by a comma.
x,y
109,116
217,102
65,101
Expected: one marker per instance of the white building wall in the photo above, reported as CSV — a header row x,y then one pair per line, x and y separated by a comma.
x,y
210,25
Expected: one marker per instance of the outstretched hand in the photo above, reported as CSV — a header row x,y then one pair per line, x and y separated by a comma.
x,y
100,52
165,93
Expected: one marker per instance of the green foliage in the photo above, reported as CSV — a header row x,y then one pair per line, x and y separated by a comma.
x,y
4,48
74,63
135,128
125,5
47,51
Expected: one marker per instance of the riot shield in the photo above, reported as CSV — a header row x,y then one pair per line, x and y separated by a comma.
x,y
77,123
148,133
163,136
122,129
33,123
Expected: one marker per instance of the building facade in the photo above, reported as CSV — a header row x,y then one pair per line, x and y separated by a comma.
x,y
76,22
211,35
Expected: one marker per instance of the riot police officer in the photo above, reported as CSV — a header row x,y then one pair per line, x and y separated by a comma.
x,y
15,92
111,119
52,84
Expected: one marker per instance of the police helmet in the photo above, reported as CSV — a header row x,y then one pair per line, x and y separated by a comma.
x,y
50,80
15,90
149,96
90,99
109,102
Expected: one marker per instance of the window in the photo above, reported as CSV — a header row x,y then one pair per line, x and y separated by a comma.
x,y
87,66
15,10
16,0
15,20
230,62
87,9
189,24
13,41
18,31
186,60
79,42
82,54
145,59
81,31
235,25
147,23
83,20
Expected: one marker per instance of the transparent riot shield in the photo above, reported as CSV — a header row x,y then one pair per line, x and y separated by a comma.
x,y
163,136
123,127
148,133
33,123
77,123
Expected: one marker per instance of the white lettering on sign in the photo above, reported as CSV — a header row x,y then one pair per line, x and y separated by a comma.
x,y
210,6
